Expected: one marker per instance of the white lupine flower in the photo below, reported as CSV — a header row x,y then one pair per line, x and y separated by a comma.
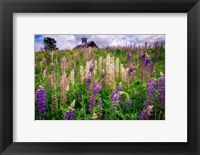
x,y
117,71
82,75
71,77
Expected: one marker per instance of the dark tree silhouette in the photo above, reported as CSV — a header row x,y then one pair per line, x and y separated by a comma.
x,y
49,44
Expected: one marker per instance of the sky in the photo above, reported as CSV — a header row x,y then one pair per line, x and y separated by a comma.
x,y
70,41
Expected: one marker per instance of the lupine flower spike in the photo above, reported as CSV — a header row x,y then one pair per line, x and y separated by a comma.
x,y
41,101
142,65
161,91
97,87
148,67
63,64
63,89
151,89
89,81
146,113
69,115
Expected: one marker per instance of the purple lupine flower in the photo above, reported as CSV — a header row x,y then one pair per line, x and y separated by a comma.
x,y
148,65
129,57
115,97
128,102
41,100
142,65
156,57
146,113
89,81
120,87
149,112
69,115
96,90
161,91
91,67
103,74
151,89
134,71
142,114
128,75
142,58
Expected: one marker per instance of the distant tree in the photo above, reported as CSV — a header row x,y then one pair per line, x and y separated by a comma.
x,y
49,44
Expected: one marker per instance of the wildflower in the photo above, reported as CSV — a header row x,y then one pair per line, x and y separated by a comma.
x,y
89,81
142,58
69,115
71,77
155,58
95,67
49,82
53,80
128,75
129,59
151,89
120,87
43,63
41,100
52,56
142,65
102,74
112,72
146,113
128,102
117,68
82,76
148,66
96,90
161,91
100,63
123,72
99,103
94,116
54,102
63,89
44,73
87,68
134,71
63,65
91,67
115,97
142,114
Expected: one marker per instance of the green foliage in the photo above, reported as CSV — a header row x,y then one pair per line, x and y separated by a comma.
x,y
137,89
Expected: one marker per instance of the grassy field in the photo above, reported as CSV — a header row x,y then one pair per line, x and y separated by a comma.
x,y
100,84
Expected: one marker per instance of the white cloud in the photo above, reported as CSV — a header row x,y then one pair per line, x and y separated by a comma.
x,y
70,41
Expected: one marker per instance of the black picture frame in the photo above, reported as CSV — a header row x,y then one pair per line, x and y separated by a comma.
x,y
8,7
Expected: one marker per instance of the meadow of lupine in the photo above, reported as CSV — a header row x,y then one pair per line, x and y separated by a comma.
x,y
115,83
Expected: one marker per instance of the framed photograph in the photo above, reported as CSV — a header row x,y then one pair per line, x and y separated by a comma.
x,y
99,77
